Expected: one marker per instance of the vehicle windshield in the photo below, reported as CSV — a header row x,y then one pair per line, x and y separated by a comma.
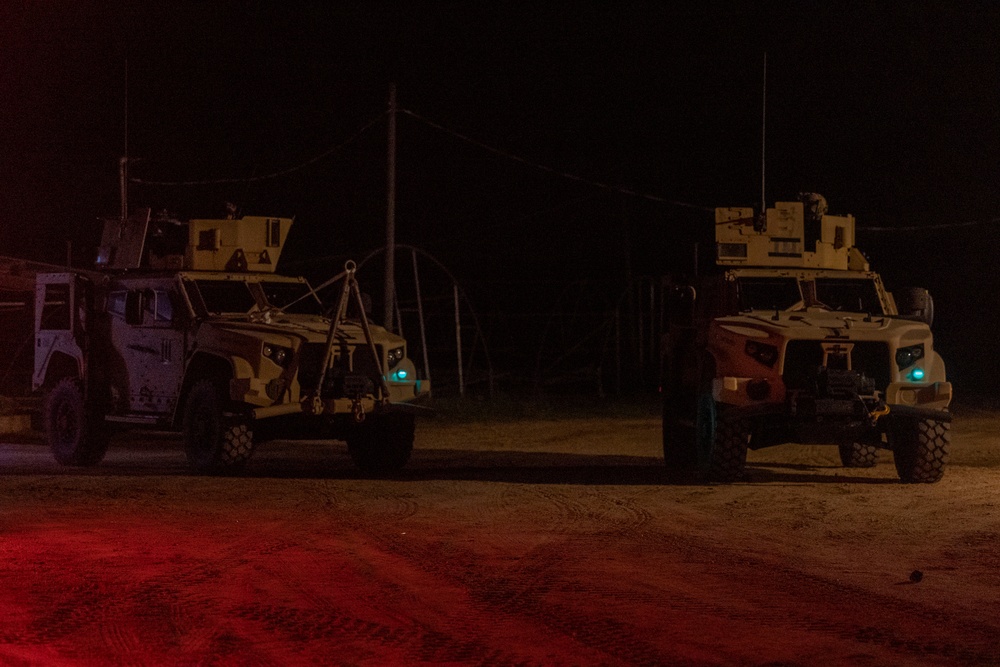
x,y
292,297
768,293
221,296
856,295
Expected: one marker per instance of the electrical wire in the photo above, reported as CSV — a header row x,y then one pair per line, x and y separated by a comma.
x,y
930,228
265,177
573,177
525,161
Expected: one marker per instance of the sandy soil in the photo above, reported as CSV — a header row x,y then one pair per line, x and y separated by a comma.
x,y
523,543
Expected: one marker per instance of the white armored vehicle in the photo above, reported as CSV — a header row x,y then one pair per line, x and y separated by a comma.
x,y
185,326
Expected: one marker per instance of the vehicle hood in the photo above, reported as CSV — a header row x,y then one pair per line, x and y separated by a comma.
x,y
283,328
821,323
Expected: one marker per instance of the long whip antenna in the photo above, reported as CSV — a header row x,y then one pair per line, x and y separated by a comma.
x,y
763,141
123,165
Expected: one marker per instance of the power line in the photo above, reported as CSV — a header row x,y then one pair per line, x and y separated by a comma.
x,y
525,161
283,172
573,177
929,228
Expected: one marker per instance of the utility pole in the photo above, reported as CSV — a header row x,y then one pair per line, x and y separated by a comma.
x,y
123,186
390,214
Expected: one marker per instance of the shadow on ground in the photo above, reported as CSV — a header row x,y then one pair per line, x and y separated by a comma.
x,y
162,457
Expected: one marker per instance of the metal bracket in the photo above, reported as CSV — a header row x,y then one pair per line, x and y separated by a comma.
x,y
350,289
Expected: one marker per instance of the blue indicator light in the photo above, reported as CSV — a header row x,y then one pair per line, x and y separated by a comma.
x,y
917,374
401,374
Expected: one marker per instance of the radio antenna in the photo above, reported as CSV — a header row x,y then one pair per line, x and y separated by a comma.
x,y
123,163
763,141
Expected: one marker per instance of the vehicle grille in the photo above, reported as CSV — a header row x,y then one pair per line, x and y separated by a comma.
x,y
352,371
804,359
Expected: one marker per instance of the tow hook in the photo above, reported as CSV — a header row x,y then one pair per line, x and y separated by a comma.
x,y
878,413
357,411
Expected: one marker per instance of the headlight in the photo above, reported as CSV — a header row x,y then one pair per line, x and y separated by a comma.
x,y
395,356
277,354
907,356
762,352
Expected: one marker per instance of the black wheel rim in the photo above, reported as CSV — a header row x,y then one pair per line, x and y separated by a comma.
x,y
66,425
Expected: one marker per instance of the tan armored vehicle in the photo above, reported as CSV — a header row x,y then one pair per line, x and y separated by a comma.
x,y
186,326
795,340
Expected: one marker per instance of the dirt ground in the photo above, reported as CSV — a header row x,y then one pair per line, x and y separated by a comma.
x,y
533,542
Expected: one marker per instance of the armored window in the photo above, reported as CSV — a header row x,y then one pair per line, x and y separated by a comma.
x,y
225,296
158,307
768,293
209,239
273,239
855,295
116,303
292,297
56,310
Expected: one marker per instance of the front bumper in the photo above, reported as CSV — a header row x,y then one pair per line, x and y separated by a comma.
x,y
403,396
932,396
742,398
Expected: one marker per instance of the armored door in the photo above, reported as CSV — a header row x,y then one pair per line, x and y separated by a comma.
x,y
149,340
59,326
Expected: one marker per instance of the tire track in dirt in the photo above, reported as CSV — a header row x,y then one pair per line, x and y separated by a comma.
x,y
574,508
336,627
69,615
320,619
460,567
517,595
121,638
162,612
341,499
519,590
965,639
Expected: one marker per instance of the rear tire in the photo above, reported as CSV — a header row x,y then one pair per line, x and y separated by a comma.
x,y
920,448
77,432
382,443
858,454
214,442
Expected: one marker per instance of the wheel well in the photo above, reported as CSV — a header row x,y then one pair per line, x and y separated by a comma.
x,y
60,366
202,367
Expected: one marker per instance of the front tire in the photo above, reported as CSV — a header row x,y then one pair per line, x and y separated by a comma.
x,y
214,441
382,443
77,433
731,440
858,454
920,448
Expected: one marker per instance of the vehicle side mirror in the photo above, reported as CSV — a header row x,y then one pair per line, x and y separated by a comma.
x,y
134,307
915,303
680,305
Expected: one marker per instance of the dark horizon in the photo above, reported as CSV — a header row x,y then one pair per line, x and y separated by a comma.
x,y
887,112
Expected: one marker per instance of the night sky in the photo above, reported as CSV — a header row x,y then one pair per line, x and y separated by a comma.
x,y
890,112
